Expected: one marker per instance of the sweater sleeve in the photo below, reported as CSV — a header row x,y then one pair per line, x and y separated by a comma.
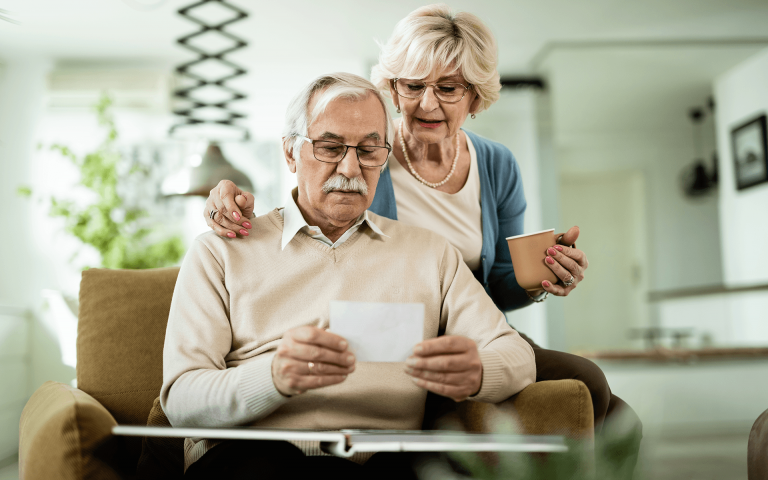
x,y
198,389
508,360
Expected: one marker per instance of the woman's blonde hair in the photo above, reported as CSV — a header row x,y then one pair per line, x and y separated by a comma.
x,y
435,38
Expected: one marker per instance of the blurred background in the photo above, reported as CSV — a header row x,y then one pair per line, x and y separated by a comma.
x,y
637,121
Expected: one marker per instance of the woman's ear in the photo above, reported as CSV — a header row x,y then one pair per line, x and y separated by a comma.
x,y
475,105
393,94
288,152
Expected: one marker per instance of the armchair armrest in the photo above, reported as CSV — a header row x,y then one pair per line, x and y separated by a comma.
x,y
60,430
556,407
757,449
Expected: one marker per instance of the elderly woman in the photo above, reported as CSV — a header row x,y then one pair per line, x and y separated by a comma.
x,y
440,67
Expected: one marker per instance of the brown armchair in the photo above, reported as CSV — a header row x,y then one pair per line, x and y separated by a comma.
x,y
65,432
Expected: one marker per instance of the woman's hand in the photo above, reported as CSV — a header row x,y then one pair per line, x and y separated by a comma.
x,y
449,366
567,262
232,206
308,358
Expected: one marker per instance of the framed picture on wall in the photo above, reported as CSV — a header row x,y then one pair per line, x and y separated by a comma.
x,y
749,153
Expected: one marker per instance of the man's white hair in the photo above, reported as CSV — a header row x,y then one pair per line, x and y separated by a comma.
x,y
298,118
435,38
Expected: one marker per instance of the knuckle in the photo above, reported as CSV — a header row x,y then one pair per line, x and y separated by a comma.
x,y
314,353
311,334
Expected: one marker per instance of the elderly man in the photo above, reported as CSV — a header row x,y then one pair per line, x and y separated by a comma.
x,y
246,342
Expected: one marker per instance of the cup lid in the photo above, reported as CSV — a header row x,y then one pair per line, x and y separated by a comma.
x,y
529,234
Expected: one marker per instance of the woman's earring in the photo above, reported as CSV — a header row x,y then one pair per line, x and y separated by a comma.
x,y
473,116
398,109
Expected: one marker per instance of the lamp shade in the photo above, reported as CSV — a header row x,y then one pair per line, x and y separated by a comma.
x,y
199,180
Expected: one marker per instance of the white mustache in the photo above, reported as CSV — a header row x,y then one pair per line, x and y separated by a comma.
x,y
340,182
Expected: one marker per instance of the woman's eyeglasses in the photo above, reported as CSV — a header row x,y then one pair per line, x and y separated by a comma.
x,y
449,92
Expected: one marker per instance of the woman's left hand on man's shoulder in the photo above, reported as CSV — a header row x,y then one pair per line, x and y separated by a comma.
x,y
567,262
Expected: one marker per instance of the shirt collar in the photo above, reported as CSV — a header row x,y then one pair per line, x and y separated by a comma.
x,y
293,221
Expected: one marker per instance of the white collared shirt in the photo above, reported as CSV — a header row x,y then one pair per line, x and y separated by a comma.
x,y
293,223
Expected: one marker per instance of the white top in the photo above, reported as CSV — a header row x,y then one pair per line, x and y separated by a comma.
x,y
294,223
456,216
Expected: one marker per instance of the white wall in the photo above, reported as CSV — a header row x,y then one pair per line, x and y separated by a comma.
x,y
14,372
741,94
722,320
623,110
514,122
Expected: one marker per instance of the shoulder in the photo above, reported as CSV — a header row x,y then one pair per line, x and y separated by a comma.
x,y
408,236
266,228
494,154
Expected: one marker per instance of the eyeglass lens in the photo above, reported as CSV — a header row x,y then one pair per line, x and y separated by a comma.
x,y
445,91
368,155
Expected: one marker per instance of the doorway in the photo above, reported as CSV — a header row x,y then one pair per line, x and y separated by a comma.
x,y
609,208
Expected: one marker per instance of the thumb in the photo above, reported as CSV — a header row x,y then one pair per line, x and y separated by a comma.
x,y
246,202
570,237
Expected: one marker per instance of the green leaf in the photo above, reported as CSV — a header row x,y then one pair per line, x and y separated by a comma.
x,y
121,244
24,191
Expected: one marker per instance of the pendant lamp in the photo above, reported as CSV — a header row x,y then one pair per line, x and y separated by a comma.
x,y
207,97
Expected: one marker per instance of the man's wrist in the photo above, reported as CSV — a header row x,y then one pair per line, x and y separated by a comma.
x,y
481,383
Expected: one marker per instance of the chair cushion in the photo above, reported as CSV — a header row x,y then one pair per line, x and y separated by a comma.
x,y
120,335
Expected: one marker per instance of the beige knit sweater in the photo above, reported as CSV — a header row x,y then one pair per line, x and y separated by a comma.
x,y
234,299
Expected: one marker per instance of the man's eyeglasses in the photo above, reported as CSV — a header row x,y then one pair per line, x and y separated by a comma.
x,y
449,92
334,152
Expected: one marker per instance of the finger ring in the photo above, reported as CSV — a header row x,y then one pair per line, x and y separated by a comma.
x,y
310,365
569,282
213,213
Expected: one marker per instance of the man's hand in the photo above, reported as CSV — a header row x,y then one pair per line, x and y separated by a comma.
x,y
232,206
448,365
309,357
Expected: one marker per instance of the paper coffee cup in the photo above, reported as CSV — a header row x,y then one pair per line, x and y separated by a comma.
x,y
528,252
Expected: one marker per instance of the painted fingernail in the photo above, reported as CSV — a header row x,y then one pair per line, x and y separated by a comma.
x,y
409,370
546,283
551,251
418,349
236,215
411,362
343,344
231,234
344,377
350,359
247,224
243,232
550,260
558,248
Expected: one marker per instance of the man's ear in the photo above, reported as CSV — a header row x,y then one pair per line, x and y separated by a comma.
x,y
288,152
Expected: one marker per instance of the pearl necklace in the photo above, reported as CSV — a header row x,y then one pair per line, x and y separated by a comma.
x,y
415,174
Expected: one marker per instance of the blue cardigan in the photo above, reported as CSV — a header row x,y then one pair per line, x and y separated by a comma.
x,y
503,206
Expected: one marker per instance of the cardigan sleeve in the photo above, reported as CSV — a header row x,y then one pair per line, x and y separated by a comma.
x,y
198,389
508,360
507,185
